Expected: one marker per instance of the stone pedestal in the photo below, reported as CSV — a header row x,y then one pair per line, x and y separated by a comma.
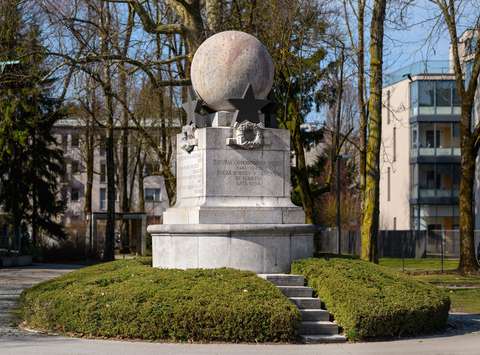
x,y
233,205
261,248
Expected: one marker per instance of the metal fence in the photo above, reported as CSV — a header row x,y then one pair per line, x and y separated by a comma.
x,y
397,244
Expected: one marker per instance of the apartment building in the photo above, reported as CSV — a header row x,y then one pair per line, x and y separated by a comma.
x,y
70,133
420,153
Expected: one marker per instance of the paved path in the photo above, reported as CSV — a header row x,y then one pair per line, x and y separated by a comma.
x,y
463,336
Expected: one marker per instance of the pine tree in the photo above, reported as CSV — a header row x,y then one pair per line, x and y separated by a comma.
x,y
30,162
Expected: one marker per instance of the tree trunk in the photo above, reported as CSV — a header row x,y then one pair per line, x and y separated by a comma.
x,y
191,18
89,162
301,173
468,261
369,230
34,194
214,9
361,94
170,185
125,205
109,249
141,196
109,252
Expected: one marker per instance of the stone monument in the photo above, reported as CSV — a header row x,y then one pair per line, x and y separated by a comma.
x,y
233,205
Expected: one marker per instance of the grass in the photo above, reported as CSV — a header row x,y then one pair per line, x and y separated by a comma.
x,y
466,300
428,270
130,299
421,265
371,301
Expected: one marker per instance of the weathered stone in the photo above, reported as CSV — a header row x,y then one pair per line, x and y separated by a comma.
x,y
226,63
260,248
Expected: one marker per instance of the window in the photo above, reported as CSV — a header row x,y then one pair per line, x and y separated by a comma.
x,y
103,198
388,184
152,195
102,145
430,179
65,141
75,167
394,223
394,144
414,98
75,140
430,138
103,172
443,97
426,97
74,194
414,137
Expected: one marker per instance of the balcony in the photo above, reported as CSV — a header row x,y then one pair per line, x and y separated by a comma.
x,y
435,183
434,100
435,142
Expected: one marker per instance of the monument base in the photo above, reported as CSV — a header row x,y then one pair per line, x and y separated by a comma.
x,y
237,215
261,248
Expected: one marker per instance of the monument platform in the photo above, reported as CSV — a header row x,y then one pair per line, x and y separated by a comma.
x,y
261,248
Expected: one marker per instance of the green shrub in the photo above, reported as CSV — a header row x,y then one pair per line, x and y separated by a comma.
x,y
130,299
369,301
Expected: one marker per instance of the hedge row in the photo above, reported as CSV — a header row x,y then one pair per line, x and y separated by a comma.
x,y
370,301
128,299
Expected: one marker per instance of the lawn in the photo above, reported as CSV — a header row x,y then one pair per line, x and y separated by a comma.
x,y
424,264
464,291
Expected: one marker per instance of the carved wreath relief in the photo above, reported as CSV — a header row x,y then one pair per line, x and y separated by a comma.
x,y
247,135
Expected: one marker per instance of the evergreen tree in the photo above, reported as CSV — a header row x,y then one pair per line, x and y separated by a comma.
x,y
30,161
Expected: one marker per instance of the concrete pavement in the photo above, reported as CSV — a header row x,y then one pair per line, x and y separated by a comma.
x,y
462,337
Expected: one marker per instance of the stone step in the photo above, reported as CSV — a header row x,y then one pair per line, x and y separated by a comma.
x,y
318,339
284,279
318,328
315,315
306,302
296,291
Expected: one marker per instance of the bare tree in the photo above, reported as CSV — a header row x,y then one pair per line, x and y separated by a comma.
x,y
469,128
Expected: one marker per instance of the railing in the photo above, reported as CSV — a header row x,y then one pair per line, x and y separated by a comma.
x,y
450,192
424,151
409,243
422,67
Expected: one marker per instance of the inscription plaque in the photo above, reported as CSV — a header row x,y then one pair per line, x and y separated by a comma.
x,y
246,174
190,174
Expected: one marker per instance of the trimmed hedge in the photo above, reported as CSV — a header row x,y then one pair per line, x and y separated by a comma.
x,y
129,299
371,301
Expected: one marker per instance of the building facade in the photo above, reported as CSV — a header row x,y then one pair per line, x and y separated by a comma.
x,y
420,154
70,133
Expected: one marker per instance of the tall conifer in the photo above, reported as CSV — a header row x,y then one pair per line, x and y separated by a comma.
x,y
30,161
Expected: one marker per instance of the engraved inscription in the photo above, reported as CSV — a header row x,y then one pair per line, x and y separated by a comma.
x,y
190,175
248,172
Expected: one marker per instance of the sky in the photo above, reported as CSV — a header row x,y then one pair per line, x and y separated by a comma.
x,y
410,44
404,47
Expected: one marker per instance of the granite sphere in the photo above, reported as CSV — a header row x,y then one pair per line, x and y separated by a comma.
x,y
226,63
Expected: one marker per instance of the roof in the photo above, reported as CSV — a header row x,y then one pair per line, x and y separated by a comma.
x,y
10,62
427,67
75,122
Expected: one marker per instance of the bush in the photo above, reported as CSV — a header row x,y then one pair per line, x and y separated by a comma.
x,y
369,301
130,299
